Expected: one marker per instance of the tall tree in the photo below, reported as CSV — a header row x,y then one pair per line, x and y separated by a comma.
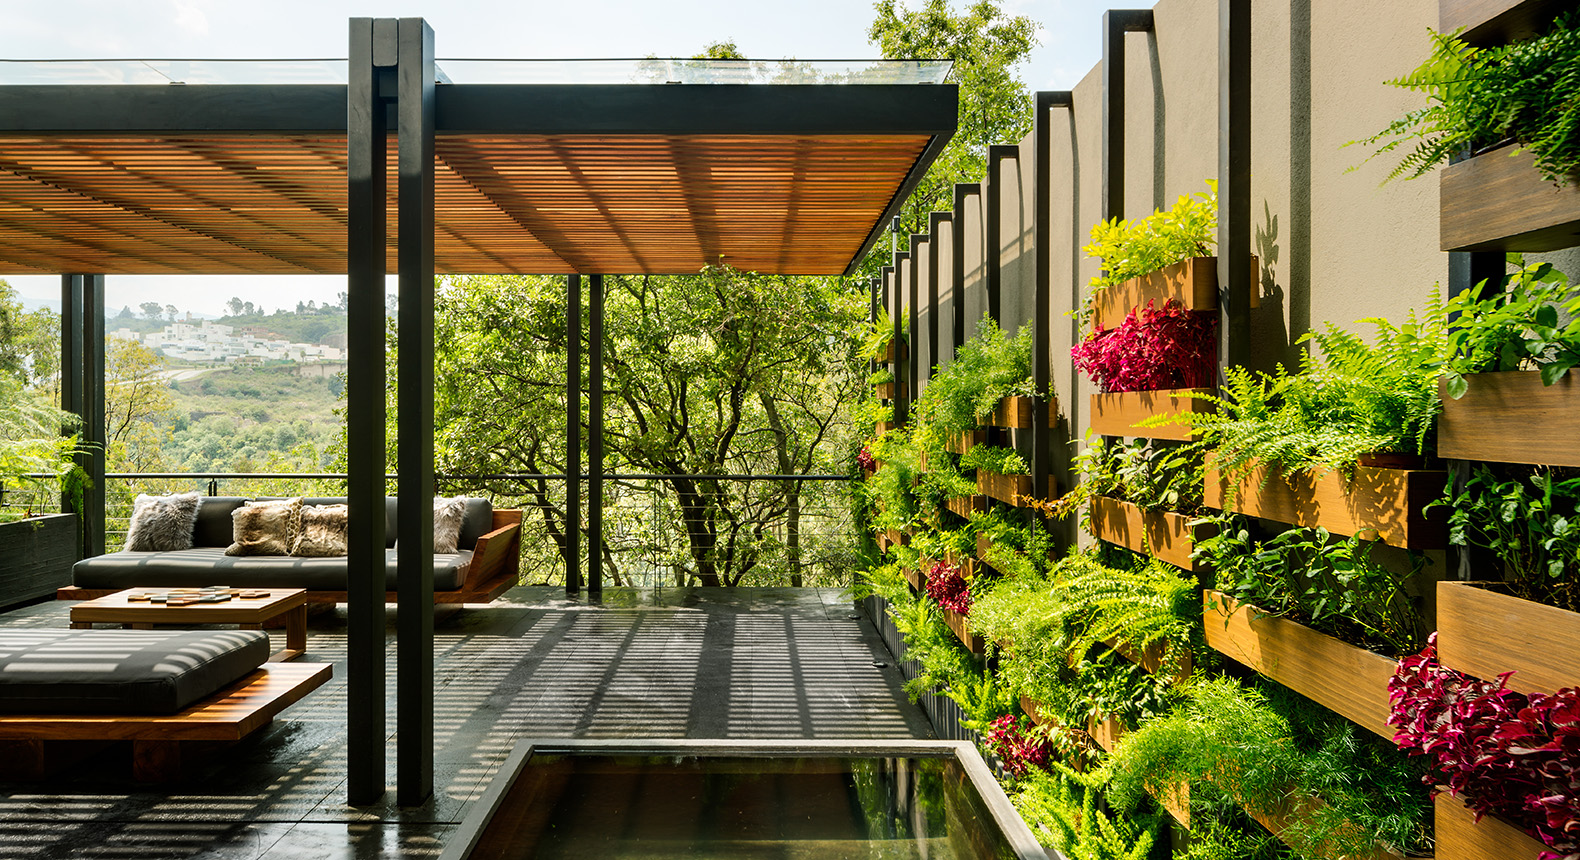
x,y
985,45
137,407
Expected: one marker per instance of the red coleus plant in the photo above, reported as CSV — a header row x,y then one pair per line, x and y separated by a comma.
x,y
1505,753
1018,747
1153,349
948,586
866,460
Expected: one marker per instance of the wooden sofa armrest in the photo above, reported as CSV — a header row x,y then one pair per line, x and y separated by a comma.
x,y
497,552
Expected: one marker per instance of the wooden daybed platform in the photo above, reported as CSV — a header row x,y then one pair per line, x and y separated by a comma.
x,y
32,743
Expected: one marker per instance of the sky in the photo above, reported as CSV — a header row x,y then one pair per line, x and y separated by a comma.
x,y
494,29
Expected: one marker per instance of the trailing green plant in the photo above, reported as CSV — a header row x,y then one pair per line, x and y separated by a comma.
x,y
985,369
991,458
1349,398
1065,810
1516,327
1529,518
32,443
1274,752
1332,584
1130,249
882,376
892,491
1477,98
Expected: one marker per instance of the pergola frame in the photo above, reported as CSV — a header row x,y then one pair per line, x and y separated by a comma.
x,y
391,97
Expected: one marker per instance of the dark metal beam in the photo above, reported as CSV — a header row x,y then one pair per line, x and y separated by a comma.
x,y
1042,313
1234,183
573,434
1116,23
195,109
993,228
913,295
365,112
595,436
899,311
82,356
71,388
414,407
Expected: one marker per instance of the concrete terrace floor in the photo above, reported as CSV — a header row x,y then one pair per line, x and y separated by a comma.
x,y
680,663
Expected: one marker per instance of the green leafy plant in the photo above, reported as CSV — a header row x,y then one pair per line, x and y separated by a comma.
x,y
1334,585
1527,92
881,376
1067,812
877,335
1144,472
1529,518
1350,398
992,458
32,444
985,369
1275,753
1516,327
1130,249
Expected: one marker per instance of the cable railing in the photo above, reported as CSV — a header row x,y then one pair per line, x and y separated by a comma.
x,y
760,530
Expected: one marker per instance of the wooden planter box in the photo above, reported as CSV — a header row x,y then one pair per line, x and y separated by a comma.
x,y
1491,22
1015,413
960,443
1382,504
1461,837
887,355
1193,282
1150,658
1484,633
1347,680
965,505
956,622
887,389
1498,202
1165,535
1117,414
1512,417
1004,488
890,537
36,556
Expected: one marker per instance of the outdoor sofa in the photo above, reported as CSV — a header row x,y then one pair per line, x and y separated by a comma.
x,y
484,567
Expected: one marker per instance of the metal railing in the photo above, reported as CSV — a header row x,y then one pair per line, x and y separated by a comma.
x,y
750,530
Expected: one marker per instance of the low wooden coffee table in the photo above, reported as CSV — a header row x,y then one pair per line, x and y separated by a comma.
x,y
248,612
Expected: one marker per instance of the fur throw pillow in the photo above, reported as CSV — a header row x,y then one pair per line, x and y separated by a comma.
x,y
162,523
323,531
265,528
447,515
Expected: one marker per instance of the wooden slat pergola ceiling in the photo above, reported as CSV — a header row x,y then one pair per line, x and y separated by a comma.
x,y
544,204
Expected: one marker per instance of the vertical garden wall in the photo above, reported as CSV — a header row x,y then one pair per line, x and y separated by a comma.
x,y
1260,518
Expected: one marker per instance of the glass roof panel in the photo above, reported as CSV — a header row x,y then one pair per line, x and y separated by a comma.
x,y
463,71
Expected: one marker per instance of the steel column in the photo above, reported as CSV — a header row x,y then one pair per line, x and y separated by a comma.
x,y
1116,23
902,367
373,52
1481,272
957,259
573,434
1042,315
935,221
993,227
1234,183
595,436
414,408
82,394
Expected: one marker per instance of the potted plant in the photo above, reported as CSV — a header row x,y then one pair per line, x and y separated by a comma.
x,y
37,464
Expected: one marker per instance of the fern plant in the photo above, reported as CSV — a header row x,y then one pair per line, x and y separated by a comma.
x,y
1349,398
1477,98
1065,809
985,369
992,458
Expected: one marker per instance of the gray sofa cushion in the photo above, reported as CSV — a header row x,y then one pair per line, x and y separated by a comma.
x,y
200,566
214,526
478,520
121,671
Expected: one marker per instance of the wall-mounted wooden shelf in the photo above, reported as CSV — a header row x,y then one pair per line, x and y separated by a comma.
x,y
885,391
887,355
1461,837
1498,202
1015,413
1512,417
1491,22
1162,534
1117,414
890,537
966,505
1193,283
1380,504
1484,633
1347,680
1008,489
960,443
